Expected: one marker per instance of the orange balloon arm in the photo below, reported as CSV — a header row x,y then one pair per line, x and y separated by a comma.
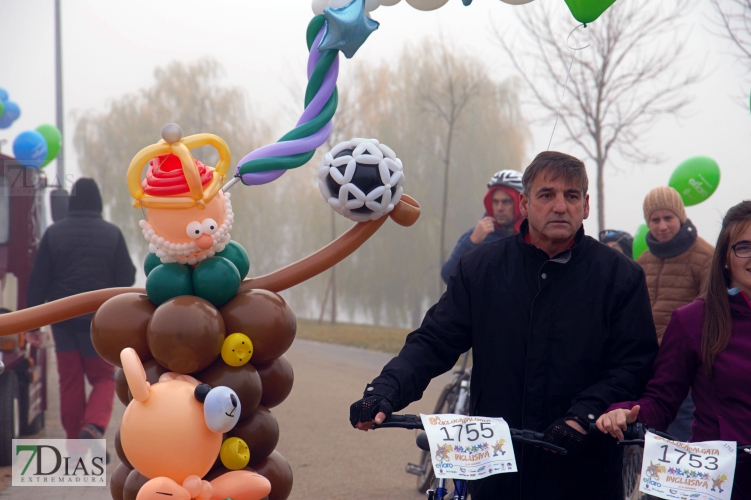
x,y
405,213
58,310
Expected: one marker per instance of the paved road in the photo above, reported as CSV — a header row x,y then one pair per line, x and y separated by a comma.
x,y
329,459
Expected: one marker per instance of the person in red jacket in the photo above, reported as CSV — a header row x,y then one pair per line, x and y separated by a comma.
x,y
707,348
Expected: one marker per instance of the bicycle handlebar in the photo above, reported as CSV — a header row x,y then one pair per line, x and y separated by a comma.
x,y
413,422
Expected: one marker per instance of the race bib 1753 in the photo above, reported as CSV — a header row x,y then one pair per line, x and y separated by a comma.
x,y
696,471
470,448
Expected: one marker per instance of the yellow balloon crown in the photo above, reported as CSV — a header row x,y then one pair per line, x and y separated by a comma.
x,y
173,143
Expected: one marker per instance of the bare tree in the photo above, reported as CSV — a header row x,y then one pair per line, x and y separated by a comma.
x,y
446,97
628,76
735,25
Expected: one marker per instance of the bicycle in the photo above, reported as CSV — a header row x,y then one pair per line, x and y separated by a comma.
x,y
634,436
461,489
454,399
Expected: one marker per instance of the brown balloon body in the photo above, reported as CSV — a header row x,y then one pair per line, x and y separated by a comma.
x,y
277,470
260,431
265,318
117,481
244,380
133,484
185,334
119,323
277,378
153,371
119,451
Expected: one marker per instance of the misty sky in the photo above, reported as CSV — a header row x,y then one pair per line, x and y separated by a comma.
x,y
112,47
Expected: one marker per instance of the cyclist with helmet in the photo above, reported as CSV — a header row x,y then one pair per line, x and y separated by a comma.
x,y
619,241
502,217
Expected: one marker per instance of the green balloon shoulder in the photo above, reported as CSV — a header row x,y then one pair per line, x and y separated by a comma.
x,y
216,279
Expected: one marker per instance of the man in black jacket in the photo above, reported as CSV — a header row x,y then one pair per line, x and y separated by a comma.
x,y
560,326
81,253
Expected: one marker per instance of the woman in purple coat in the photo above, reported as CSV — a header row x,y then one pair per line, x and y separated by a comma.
x,y
706,348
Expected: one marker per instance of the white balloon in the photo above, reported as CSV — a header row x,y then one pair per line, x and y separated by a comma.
x,y
427,4
389,3
339,4
319,5
516,2
371,5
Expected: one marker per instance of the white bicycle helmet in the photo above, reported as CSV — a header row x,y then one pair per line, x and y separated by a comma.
x,y
510,178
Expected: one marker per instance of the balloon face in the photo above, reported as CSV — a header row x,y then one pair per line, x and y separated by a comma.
x,y
234,453
237,349
30,148
122,322
427,4
221,408
185,334
189,235
640,241
53,139
586,11
696,179
265,318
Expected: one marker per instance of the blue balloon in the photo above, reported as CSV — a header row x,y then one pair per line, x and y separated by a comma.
x,y
5,122
3,95
12,110
30,149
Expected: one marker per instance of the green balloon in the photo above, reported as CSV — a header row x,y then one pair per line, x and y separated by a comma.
x,y
54,141
695,179
235,253
150,263
640,241
2,107
216,280
586,11
167,281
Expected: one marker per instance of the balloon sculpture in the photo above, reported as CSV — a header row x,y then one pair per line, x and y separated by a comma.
x,y
199,342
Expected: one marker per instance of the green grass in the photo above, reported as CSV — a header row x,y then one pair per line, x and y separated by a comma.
x,y
375,338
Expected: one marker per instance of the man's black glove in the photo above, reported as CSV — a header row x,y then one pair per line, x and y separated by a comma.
x,y
561,434
367,408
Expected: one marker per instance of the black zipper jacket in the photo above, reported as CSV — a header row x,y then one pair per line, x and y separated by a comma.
x,y
551,338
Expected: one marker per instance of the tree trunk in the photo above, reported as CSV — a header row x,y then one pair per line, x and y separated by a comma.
x,y
600,196
447,164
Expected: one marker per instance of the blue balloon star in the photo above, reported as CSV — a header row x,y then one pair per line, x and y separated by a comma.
x,y
347,28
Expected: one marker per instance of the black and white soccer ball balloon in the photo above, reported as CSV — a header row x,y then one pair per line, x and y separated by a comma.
x,y
361,179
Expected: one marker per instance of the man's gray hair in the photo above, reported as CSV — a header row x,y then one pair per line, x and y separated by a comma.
x,y
558,165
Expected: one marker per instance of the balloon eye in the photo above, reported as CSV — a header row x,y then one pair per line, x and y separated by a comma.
x,y
194,230
209,226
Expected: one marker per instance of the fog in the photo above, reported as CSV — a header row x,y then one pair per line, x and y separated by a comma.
x,y
111,48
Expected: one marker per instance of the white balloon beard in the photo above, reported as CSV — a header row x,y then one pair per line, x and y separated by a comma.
x,y
189,253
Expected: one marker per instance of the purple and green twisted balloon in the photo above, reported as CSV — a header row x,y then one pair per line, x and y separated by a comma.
x,y
336,30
